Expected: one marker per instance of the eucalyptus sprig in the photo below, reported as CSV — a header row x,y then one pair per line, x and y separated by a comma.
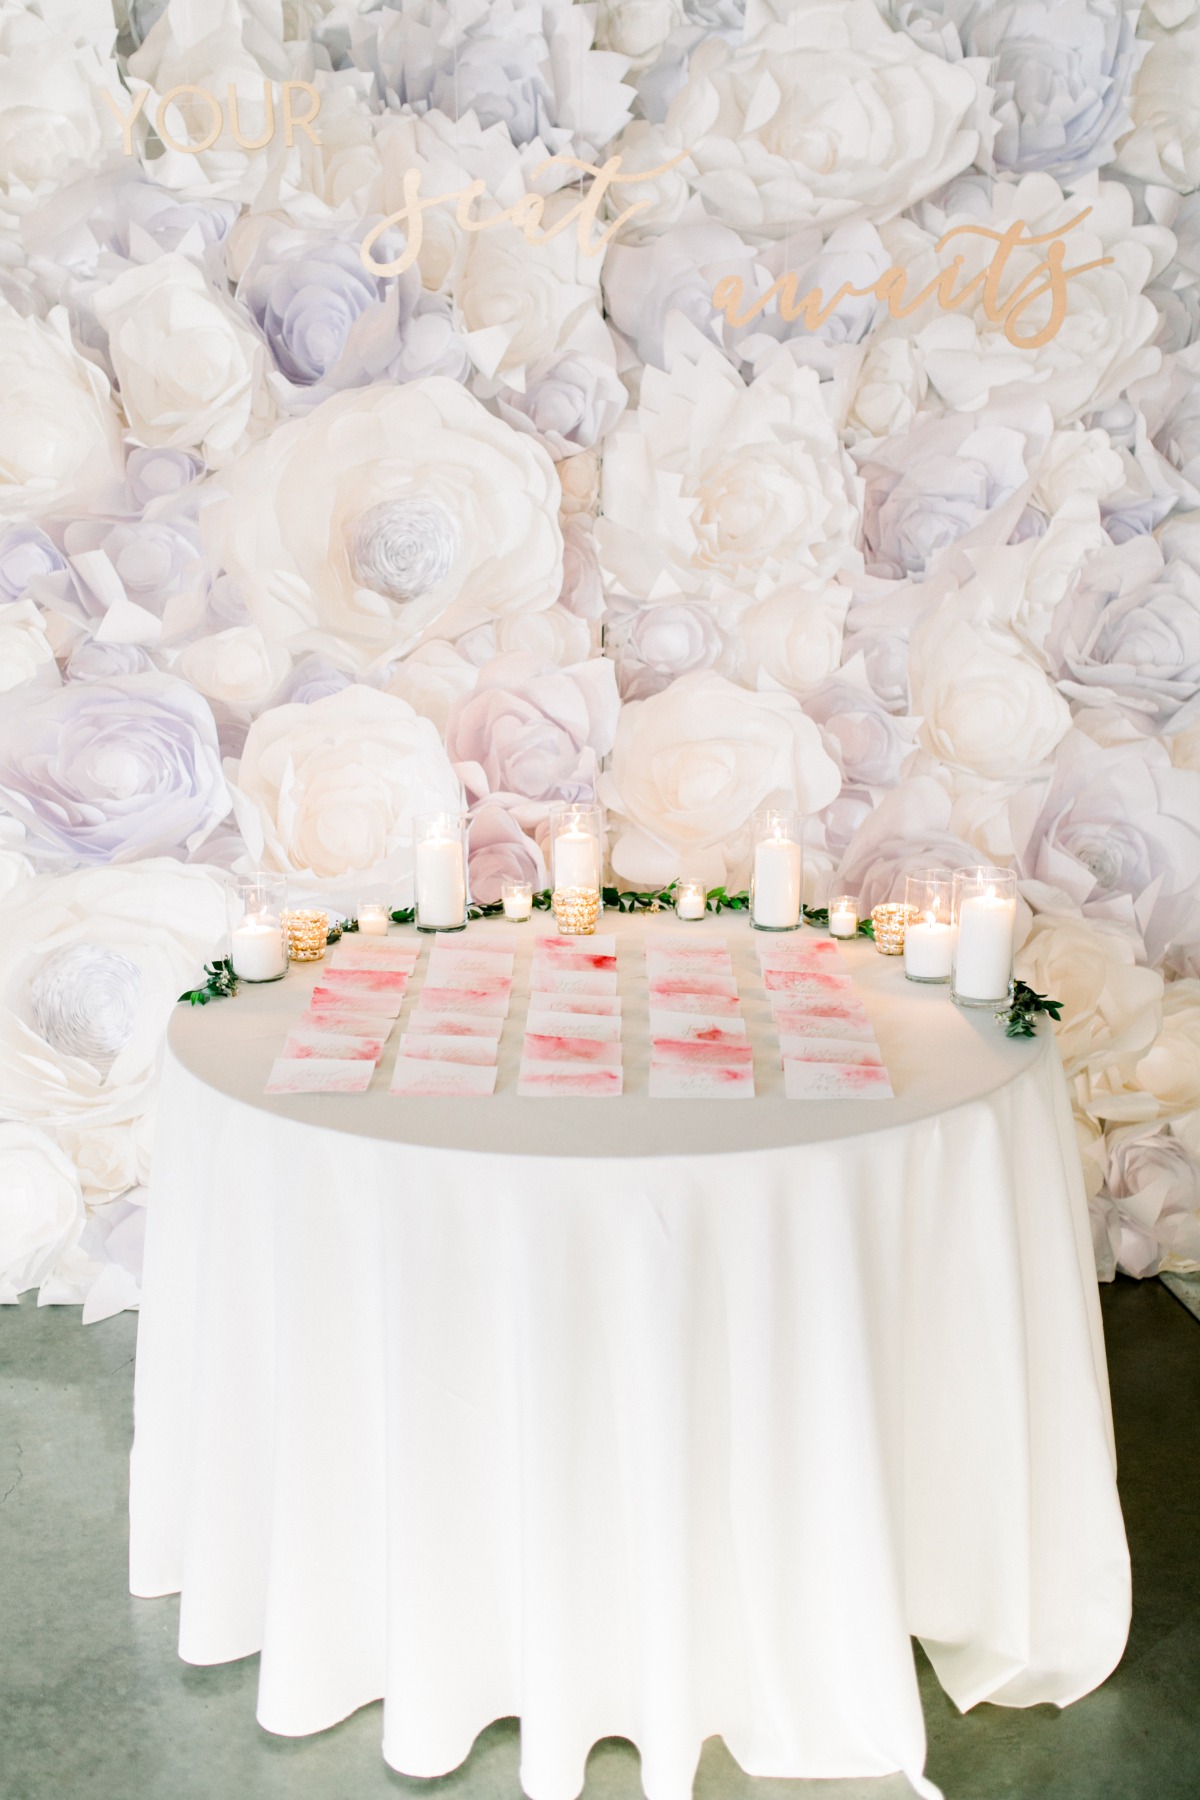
x,y
222,984
1018,1018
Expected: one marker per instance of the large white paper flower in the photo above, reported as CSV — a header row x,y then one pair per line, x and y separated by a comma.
x,y
723,491
56,66
821,115
94,962
330,789
1170,1069
237,667
25,654
985,705
387,515
41,1208
1164,146
60,443
692,763
192,373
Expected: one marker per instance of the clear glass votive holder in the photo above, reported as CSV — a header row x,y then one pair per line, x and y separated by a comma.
x,y
307,931
984,917
258,948
777,880
929,937
517,899
843,916
373,913
440,871
576,860
890,920
691,900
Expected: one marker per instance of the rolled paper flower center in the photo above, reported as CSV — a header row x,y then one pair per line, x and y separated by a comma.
x,y
403,548
84,1002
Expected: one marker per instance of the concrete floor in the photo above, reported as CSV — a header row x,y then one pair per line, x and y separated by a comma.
x,y
95,1703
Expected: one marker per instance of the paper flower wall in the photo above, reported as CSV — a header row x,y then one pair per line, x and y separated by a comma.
x,y
289,547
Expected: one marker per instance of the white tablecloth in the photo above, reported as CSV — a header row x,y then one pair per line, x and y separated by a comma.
x,y
652,1419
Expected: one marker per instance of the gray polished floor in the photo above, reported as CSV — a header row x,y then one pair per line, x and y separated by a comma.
x,y
94,1702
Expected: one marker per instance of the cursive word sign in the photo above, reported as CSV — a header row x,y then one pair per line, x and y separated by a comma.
x,y
1050,277
290,120
525,214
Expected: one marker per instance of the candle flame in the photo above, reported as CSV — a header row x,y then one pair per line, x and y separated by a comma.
x,y
931,918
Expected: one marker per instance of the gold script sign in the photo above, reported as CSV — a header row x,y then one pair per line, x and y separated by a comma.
x,y
1050,277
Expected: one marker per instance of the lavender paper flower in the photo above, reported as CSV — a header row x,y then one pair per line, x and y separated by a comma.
x,y
109,771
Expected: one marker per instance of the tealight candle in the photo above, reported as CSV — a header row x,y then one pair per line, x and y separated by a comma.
x,y
843,916
373,919
691,900
517,897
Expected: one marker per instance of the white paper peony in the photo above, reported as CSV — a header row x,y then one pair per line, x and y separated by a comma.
x,y
58,82
692,763
192,372
723,491
1164,146
41,1208
330,789
985,705
60,444
387,516
818,116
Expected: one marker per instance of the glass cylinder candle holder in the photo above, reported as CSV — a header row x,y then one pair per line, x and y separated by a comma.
x,y
843,916
307,932
576,858
984,916
691,900
517,899
890,920
373,913
777,881
257,942
440,871
928,936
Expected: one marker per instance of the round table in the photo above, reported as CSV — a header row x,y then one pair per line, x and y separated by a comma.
x,y
655,1419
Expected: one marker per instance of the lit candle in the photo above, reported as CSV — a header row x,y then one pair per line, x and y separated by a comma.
x,y
927,948
257,949
373,919
691,902
777,876
576,860
441,883
984,950
843,917
518,899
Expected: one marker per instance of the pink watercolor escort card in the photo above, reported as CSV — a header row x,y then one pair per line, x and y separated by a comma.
x,y
602,943
805,982
848,1022
567,1081
452,1024
544,1023
445,1047
492,1002
835,1081
828,1050
362,953
364,1000
571,1049
319,1075
416,1078
374,981
665,1023
547,977
672,1081
701,1053
309,1041
601,1005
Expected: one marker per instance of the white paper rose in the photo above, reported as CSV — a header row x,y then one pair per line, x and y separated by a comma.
x,y
1111,1008
794,638
389,515
723,491
1164,146
41,1208
655,645
912,827
985,705
1155,1184
330,789
25,654
55,122
192,373
692,763
818,116
1170,1069
60,442
533,730
237,667
570,401
94,963
432,679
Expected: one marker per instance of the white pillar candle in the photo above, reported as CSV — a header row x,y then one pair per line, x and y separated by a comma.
x,y
843,922
576,860
256,948
373,920
927,946
441,883
518,900
983,953
777,883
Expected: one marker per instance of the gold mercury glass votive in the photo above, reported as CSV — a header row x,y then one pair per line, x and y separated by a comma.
x,y
576,910
890,921
307,932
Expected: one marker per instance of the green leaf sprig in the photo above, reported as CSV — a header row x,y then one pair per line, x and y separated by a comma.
x,y
1019,1018
222,984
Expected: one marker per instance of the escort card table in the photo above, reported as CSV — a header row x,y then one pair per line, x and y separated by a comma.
x,y
661,1419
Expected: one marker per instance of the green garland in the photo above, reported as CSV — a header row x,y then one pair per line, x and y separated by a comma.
x,y
1018,1017
222,984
